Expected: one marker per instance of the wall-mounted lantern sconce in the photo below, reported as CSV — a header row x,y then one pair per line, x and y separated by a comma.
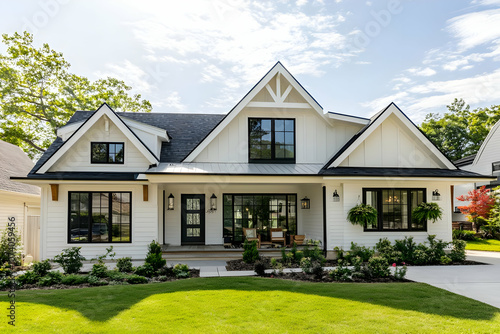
x,y
170,205
305,203
336,196
213,203
436,196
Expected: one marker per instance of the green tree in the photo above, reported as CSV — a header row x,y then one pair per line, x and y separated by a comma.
x,y
38,94
460,132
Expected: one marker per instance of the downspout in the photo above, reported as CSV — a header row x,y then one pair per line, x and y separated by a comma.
x,y
324,220
164,217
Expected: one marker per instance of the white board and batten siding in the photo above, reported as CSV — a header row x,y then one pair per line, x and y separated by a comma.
x,y
392,145
55,220
78,157
340,232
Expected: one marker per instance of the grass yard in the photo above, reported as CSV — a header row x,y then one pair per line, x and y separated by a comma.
x,y
491,245
249,305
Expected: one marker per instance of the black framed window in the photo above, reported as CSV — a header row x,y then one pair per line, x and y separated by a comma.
x,y
261,211
495,166
394,207
96,217
107,153
271,140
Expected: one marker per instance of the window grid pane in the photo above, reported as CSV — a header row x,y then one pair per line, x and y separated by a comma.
x,y
271,139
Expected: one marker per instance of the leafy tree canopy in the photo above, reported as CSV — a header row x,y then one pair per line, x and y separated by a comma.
x,y
39,94
460,132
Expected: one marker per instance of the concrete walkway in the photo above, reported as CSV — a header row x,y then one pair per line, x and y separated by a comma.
x,y
479,282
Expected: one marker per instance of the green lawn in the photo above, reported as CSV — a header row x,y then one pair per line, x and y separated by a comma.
x,y
491,245
250,305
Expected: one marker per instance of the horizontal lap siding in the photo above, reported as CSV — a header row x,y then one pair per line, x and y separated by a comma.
x,y
341,233
144,223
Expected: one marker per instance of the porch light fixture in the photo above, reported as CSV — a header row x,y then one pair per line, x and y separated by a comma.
x,y
336,196
305,203
170,202
436,196
213,203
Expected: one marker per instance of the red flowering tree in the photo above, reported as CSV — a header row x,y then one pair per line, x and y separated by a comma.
x,y
478,210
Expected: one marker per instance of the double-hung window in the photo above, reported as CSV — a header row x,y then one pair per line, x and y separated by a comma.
x,y
394,207
271,140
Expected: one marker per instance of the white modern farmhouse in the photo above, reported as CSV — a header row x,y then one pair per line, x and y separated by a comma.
x,y
275,161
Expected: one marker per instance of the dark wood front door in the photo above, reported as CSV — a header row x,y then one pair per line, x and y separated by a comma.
x,y
193,219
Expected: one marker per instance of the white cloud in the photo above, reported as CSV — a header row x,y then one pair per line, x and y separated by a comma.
x,y
300,3
363,62
422,72
172,101
131,74
475,28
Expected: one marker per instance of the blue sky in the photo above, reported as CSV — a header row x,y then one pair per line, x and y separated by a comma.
x,y
354,57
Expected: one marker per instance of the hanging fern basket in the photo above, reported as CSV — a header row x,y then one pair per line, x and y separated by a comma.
x,y
427,211
362,214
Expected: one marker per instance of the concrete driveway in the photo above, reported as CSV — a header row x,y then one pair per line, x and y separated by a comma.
x,y
479,282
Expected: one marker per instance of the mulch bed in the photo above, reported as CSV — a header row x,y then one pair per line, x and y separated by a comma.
x,y
326,278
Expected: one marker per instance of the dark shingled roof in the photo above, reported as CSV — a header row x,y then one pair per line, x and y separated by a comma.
x,y
465,161
186,131
14,162
398,172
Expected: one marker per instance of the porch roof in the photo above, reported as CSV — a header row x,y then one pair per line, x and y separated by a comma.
x,y
235,169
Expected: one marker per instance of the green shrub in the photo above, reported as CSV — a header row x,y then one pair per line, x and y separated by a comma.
x,y
11,246
405,250
96,281
124,265
41,268
457,253
136,279
29,277
181,270
315,253
52,278
378,266
145,270
70,260
298,256
115,275
365,253
99,270
250,252
317,270
306,264
436,249
259,267
400,272
341,272
154,257
5,283
464,235
74,279
5,270
420,257
445,260
166,271
385,249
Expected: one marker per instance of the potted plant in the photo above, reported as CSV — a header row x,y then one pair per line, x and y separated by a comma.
x,y
427,211
362,214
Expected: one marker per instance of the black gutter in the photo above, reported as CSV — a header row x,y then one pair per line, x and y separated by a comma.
x,y
164,217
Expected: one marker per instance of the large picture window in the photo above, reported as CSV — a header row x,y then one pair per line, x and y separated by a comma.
x,y
395,208
271,140
106,153
99,217
261,211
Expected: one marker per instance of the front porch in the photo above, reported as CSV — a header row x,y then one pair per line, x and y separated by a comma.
x,y
210,252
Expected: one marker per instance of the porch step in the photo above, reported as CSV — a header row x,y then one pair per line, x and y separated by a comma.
x,y
179,253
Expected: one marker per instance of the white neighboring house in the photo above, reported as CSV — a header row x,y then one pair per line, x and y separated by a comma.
x,y
276,160
18,200
485,162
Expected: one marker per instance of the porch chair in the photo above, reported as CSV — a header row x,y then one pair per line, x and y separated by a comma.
x,y
298,239
251,234
277,235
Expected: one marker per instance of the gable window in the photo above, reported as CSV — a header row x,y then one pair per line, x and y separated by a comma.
x,y
495,166
107,153
99,217
271,140
394,207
